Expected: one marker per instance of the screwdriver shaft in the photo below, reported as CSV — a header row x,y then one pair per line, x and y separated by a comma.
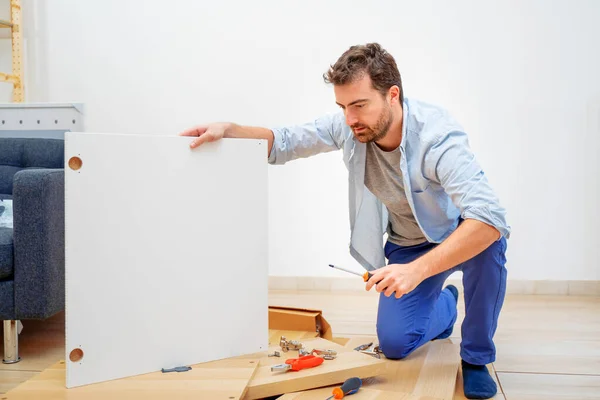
x,y
345,270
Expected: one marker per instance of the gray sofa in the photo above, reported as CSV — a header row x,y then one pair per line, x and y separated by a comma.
x,y
32,252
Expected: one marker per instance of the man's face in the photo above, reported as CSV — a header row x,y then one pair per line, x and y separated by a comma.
x,y
368,113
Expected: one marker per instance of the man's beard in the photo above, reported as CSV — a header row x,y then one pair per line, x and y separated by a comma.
x,y
378,132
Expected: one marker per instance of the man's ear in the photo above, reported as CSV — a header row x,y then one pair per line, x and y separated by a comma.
x,y
394,94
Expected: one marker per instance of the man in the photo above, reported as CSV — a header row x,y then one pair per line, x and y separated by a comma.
x,y
414,177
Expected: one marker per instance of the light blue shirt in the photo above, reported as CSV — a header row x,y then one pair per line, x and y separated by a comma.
x,y
443,180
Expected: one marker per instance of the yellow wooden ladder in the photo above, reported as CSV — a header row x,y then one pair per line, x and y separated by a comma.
x,y
16,78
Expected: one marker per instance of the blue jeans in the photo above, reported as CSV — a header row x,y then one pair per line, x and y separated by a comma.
x,y
422,315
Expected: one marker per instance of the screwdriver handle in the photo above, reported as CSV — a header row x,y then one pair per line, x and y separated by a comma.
x,y
367,275
350,386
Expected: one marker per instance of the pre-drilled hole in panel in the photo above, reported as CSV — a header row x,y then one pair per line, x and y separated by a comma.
x,y
76,355
75,163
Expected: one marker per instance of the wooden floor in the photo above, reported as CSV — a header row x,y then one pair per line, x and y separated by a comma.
x,y
548,347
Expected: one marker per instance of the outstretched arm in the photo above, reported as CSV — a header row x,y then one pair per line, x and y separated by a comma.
x,y
285,143
216,131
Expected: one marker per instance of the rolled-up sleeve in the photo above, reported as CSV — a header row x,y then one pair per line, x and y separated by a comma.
x,y
451,162
321,135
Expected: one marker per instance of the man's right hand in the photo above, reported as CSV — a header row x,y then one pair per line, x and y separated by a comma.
x,y
206,133
220,130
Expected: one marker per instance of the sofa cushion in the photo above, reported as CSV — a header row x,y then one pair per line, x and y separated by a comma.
x,y
43,153
7,174
6,252
20,153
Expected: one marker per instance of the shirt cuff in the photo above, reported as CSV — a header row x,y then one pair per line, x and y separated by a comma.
x,y
275,149
484,215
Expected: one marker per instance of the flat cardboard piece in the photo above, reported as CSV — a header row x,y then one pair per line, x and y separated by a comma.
x,y
217,380
347,364
299,319
149,224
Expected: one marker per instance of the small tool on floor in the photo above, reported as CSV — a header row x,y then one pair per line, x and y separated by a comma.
x,y
350,386
366,276
287,345
176,369
297,364
303,352
363,346
326,354
372,350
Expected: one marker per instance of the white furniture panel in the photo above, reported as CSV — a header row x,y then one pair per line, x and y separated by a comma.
x,y
166,253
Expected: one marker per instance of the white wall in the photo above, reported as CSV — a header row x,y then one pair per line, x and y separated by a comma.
x,y
521,76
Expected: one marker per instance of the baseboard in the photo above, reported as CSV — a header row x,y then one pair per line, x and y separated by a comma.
x,y
538,287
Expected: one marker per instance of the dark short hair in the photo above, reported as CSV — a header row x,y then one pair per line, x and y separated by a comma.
x,y
371,59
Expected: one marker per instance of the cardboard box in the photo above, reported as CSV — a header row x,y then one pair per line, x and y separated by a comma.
x,y
299,319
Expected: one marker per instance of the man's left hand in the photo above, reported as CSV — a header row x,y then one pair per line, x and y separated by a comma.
x,y
398,278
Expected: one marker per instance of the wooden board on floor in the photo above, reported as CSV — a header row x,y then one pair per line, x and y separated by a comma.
x,y
216,380
347,364
362,394
429,371
437,377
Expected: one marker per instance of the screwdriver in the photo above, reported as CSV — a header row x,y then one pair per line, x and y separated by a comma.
x,y
366,276
350,386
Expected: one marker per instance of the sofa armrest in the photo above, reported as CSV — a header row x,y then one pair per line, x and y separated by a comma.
x,y
39,242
